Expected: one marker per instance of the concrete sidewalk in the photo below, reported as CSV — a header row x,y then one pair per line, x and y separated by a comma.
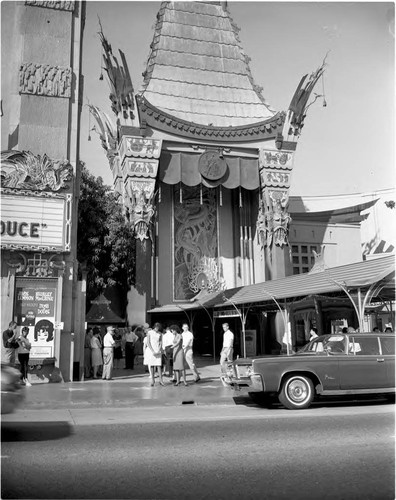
x,y
128,390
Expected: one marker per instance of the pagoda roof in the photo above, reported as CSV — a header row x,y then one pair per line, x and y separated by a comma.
x,y
100,312
197,71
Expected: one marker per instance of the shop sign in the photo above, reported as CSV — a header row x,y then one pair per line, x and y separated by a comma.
x,y
33,223
225,314
35,308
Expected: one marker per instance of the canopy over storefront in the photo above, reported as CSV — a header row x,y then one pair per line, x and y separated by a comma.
x,y
349,277
184,167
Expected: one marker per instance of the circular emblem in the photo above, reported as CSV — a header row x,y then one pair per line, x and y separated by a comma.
x,y
212,165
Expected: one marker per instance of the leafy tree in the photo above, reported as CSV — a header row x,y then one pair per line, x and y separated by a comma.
x,y
105,240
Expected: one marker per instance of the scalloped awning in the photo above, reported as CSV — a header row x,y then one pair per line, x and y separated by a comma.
x,y
183,167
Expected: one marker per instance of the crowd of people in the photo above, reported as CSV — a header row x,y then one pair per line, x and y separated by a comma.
x,y
165,352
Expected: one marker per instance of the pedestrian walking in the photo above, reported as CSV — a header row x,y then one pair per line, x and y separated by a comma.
x,y
167,341
10,343
227,350
96,351
87,353
108,353
179,360
153,353
23,354
130,339
188,340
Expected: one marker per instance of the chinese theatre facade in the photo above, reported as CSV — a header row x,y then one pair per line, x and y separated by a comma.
x,y
39,183
202,164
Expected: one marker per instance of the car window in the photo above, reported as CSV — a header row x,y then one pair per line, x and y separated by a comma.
x,y
365,345
335,344
354,347
387,345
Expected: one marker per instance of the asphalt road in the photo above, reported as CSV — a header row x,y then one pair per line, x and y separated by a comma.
x,y
342,452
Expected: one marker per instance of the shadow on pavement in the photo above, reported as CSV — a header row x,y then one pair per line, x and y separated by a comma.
x,y
34,431
264,401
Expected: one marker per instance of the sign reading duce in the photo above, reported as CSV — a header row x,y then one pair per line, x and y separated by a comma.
x,y
32,222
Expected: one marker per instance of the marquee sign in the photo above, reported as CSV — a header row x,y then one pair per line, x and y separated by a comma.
x,y
35,223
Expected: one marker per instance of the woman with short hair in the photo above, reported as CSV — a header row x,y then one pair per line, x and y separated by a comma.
x,y
153,353
23,354
179,360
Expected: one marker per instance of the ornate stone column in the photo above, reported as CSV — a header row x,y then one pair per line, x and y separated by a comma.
x,y
273,224
139,160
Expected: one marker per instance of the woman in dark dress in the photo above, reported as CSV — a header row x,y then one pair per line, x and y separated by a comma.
x,y
179,361
117,349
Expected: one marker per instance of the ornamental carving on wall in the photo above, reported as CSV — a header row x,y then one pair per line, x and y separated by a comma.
x,y
274,220
24,170
140,206
57,5
46,80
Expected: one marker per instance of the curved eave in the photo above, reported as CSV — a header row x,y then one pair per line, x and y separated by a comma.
x,y
159,120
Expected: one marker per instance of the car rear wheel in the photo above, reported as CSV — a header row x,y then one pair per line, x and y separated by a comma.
x,y
297,392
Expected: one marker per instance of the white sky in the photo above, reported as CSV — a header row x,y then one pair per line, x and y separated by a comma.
x,y
346,147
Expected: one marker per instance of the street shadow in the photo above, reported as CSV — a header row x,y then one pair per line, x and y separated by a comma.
x,y
344,401
34,431
265,401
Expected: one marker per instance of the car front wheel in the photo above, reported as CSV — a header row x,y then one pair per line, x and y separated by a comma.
x,y
297,392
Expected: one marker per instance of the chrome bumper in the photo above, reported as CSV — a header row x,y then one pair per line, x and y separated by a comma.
x,y
253,383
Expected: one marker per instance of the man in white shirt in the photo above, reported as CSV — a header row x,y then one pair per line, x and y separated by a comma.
x,y
188,340
228,347
108,353
167,342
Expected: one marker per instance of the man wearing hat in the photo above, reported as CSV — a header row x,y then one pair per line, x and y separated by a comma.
x,y
108,353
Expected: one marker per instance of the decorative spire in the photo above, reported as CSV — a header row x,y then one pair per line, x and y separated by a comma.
x,y
121,88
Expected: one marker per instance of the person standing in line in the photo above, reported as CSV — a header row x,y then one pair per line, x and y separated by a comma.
x,y
228,347
87,353
96,351
117,349
188,340
138,347
167,341
108,353
10,343
179,360
130,339
153,353
23,354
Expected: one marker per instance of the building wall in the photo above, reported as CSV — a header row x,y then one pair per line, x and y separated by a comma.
x,y
341,242
42,98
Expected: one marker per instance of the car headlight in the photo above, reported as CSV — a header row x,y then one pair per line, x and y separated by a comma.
x,y
230,371
244,371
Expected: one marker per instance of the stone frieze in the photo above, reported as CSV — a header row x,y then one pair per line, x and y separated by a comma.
x,y
45,80
52,4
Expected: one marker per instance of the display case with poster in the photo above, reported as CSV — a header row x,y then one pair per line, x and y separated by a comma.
x,y
35,307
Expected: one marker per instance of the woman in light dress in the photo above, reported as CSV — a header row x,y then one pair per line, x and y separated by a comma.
x,y
153,353
179,360
97,359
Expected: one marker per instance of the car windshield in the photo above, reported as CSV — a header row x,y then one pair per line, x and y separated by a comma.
x,y
333,344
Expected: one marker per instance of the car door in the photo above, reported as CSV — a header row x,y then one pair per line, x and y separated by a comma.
x,y
388,353
364,367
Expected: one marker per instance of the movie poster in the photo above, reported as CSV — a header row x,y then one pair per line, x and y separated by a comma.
x,y
35,308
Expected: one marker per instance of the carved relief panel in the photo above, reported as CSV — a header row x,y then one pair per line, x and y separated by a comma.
x,y
45,80
275,176
195,242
